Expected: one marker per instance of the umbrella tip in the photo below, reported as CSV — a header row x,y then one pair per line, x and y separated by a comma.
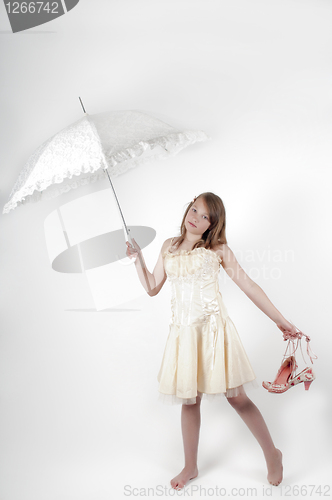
x,y
82,105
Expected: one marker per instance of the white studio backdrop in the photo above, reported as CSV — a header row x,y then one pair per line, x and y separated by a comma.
x,y
79,412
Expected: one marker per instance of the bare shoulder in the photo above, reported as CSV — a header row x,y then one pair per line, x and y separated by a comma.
x,y
167,243
224,252
220,249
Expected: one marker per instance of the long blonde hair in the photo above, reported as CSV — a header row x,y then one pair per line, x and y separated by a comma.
x,y
216,233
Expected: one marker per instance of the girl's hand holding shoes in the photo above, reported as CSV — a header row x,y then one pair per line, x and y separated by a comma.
x,y
286,326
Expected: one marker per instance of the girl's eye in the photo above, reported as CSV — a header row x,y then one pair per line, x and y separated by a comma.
x,y
206,217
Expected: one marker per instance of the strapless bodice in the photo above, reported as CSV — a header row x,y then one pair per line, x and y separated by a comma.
x,y
193,275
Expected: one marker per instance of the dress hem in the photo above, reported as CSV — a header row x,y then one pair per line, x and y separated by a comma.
x,y
172,399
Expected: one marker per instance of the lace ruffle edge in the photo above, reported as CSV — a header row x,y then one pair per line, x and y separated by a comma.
x,y
118,162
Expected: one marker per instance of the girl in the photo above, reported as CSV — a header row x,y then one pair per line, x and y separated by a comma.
x,y
203,353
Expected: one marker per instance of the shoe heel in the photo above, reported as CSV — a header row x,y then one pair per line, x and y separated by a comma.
x,y
307,384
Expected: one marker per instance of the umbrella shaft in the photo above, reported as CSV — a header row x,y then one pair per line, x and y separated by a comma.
x,y
126,229
116,198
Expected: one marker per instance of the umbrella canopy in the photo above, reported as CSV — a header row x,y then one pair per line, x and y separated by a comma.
x,y
76,155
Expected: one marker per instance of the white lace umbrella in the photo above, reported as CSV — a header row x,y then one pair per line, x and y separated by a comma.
x,y
92,147
95,146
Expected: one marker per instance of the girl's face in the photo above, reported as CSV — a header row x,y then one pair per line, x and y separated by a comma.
x,y
197,220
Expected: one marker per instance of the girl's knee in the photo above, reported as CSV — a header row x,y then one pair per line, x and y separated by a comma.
x,y
239,402
198,402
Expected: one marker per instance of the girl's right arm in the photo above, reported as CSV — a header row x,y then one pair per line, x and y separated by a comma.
x,y
152,283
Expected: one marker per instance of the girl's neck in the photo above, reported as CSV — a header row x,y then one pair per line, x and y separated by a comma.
x,y
191,240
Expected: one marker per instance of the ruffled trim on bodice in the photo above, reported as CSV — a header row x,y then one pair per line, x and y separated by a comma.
x,y
189,252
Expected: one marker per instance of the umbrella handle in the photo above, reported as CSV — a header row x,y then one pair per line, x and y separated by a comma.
x,y
143,266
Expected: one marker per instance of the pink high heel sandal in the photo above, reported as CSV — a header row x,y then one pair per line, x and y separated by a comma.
x,y
285,374
307,376
286,377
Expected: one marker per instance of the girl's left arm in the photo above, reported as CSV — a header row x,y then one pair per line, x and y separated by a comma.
x,y
252,290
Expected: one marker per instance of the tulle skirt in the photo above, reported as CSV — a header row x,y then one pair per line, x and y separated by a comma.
x,y
205,359
172,399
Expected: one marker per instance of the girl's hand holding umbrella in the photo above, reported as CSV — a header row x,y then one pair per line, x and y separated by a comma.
x,y
132,251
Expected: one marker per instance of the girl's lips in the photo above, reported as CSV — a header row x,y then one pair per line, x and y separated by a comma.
x,y
192,224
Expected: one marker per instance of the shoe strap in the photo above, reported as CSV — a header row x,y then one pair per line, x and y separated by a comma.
x,y
294,341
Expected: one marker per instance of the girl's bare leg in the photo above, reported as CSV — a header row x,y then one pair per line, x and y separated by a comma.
x,y
251,415
190,424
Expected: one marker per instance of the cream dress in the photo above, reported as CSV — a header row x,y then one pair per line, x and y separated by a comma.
x,y
203,353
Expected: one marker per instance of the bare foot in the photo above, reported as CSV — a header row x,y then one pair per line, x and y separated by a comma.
x,y
185,475
274,467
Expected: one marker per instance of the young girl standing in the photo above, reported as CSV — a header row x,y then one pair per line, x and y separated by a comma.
x,y
203,353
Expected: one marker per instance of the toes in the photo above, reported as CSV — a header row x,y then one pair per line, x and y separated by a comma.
x,y
175,484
